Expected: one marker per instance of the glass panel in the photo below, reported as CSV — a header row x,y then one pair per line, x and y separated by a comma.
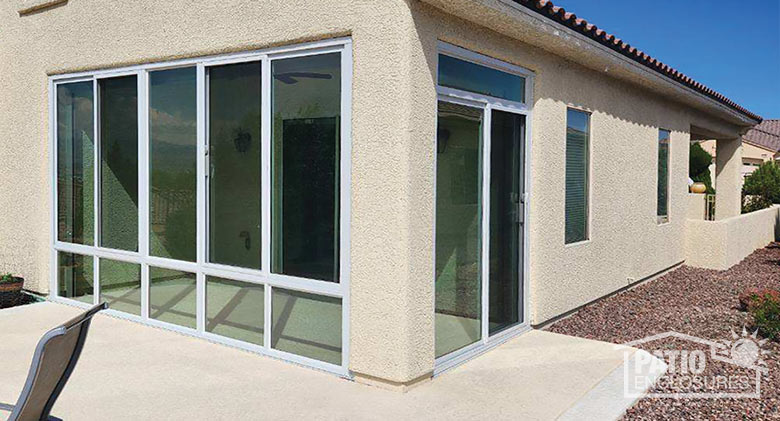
x,y
663,173
305,169
119,163
75,163
306,324
506,189
468,76
235,309
577,138
234,157
172,296
120,285
76,277
458,227
172,167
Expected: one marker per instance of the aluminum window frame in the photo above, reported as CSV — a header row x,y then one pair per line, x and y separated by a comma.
x,y
664,219
488,104
589,180
201,267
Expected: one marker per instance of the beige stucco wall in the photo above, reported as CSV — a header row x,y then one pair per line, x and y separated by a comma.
x,y
697,204
724,243
89,34
393,144
626,242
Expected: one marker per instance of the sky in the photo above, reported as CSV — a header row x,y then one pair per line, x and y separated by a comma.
x,y
731,46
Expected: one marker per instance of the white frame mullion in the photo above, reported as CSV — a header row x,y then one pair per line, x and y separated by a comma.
x,y
201,267
266,121
201,186
144,186
485,224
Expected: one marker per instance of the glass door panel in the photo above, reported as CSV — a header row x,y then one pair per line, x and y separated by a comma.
x,y
506,212
458,227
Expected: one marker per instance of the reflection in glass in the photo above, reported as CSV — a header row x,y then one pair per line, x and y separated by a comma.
x,y
235,309
75,277
306,102
172,296
577,134
75,163
172,169
234,174
120,286
119,163
468,76
663,173
458,225
506,188
306,324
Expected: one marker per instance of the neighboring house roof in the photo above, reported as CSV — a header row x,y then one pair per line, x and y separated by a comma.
x,y
766,134
547,9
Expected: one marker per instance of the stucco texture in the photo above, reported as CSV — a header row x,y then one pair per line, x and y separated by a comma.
x,y
393,146
723,243
626,243
386,315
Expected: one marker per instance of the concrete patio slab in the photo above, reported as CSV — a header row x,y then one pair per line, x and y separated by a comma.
x,y
129,371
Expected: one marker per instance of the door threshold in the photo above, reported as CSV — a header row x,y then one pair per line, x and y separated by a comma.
x,y
467,353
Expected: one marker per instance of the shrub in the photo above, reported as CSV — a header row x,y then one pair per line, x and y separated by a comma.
x,y
764,182
766,316
7,278
754,203
751,297
699,162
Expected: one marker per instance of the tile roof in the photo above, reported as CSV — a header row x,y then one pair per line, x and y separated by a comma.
x,y
766,134
547,9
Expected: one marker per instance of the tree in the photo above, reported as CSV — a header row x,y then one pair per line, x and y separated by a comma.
x,y
764,182
699,162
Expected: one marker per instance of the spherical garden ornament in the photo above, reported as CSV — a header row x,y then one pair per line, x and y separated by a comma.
x,y
698,187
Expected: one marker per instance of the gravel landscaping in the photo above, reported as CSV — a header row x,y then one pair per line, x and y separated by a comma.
x,y
697,302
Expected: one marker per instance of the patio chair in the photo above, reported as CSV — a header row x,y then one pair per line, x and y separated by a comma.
x,y
55,357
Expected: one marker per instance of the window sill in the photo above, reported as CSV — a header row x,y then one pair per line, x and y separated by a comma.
x,y
662,220
577,243
26,7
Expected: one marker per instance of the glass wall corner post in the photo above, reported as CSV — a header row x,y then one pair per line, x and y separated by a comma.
x,y
486,99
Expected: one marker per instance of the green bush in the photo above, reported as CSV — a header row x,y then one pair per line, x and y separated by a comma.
x,y
754,203
699,162
766,316
764,182
7,278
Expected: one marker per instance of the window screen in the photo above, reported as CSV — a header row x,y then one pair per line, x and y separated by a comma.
x,y
577,138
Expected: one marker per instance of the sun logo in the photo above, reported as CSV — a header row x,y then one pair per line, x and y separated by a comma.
x,y
745,350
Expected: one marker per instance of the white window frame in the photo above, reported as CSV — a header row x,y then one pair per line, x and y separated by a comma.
x,y
664,219
201,267
589,185
488,104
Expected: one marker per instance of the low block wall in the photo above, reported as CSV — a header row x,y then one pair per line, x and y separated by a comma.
x,y
724,243
697,204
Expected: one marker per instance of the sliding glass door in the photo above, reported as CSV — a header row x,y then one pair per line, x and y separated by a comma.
x,y
480,204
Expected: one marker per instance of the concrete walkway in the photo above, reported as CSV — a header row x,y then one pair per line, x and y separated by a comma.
x,y
129,371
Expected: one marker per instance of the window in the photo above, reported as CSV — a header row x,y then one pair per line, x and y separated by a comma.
x,y
577,163
305,166
207,196
172,163
235,179
75,163
472,77
663,175
118,113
